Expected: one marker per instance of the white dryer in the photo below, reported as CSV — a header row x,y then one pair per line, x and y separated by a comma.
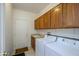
x,y
41,43
39,47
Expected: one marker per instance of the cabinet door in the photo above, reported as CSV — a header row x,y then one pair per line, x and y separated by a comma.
x,y
47,20
37,23
56,17
76,15
33,43
70,15
41,22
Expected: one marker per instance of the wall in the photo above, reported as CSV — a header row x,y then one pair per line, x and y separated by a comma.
x,y
23,28
0,27
7,29
63,32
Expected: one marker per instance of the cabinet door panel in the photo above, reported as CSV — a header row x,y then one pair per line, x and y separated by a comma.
x,y
37,23
76,14
56,17
53,20
47,20
41,24
33,43
70,15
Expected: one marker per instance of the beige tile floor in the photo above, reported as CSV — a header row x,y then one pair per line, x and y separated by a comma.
x,y
30,52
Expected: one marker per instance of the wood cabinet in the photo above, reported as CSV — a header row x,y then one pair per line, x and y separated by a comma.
x,y
76,20
70,15
56,17
41,24
37,22
46,17
33,42
64,15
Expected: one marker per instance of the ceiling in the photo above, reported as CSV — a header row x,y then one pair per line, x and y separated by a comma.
x,y
30,7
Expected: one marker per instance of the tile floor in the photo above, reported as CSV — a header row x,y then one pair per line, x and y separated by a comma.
x,y
30,52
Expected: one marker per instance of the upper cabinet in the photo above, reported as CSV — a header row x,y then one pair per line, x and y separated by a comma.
x,y
39,23
36,24
46,17
64,15
43,22
56,17
70,15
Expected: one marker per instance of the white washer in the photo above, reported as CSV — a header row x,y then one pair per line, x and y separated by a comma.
x,y
61,49
50,49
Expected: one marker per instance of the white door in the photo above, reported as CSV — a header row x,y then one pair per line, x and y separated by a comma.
x,y
21,34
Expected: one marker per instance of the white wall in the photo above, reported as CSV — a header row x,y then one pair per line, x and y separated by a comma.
x,y
7,27
0,25
23,28
63,32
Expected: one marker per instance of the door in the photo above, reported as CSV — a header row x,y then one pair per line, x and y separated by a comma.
x,y
20,33
46,17
56,17
37,23
41,22
70,15
33,42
